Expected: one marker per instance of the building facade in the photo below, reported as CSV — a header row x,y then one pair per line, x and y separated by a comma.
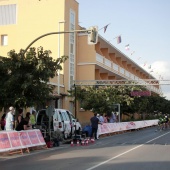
x,y
22,21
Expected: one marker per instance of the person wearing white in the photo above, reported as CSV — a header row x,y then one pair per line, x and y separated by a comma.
x,y
101,120
10,119
113,119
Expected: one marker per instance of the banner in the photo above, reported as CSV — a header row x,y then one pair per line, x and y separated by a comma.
x,y
123,126
40,137
4,142
14,140
25,140
11,140
34,138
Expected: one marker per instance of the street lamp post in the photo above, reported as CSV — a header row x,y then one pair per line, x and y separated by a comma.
x,y
60,22
118,107
75,102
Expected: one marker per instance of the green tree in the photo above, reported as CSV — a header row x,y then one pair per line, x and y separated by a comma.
x,y
101,98
24,77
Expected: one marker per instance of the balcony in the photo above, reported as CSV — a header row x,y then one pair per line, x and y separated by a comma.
x,y
110,66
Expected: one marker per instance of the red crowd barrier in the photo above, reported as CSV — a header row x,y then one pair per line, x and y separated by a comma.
x,y
12,140
106,128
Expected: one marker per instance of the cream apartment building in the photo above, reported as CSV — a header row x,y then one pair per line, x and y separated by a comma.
x,y
22,21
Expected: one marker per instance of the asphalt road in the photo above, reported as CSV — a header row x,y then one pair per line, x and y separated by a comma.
x,y
145,149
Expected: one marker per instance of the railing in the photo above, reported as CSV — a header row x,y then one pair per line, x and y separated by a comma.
x,y
122,70
107,62
115,67
104,62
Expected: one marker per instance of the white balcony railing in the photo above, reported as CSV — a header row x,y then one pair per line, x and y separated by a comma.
x,y
122,70
99,58
115,67
112,66
107,62
127,73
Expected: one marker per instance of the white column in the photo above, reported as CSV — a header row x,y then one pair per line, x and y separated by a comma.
x,y
58,84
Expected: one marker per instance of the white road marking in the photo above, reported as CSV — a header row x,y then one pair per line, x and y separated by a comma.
x,y
104,162
123,143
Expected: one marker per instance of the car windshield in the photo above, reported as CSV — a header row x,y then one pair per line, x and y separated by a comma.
x,y
73,117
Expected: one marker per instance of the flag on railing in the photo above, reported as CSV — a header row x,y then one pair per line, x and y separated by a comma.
x,y
145,63
105,28
132,52
127,47
119,39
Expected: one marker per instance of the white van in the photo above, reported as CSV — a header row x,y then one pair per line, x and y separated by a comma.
x,y
61,119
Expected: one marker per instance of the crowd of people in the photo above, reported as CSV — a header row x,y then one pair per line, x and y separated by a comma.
x,y
11,122
91,130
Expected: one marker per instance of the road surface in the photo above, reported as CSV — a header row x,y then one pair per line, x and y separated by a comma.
x,y
145,149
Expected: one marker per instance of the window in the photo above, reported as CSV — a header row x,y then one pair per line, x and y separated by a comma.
x,y
4,40
65,116
61,116
71,48
8,14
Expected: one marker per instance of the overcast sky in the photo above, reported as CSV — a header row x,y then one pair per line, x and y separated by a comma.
x,y
143,24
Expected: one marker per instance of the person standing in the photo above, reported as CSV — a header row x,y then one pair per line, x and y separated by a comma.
x,y
94,124
32,119
112,118
101,118
101,121
20,117
9,125
3,122
24,124
105,118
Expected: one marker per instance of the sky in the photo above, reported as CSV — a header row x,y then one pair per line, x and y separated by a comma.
x,y
143,24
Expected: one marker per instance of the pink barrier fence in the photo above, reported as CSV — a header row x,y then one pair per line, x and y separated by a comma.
x,y
13,140
123,126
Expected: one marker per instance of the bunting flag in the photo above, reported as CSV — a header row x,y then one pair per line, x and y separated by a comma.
x,y
119,39
145,64
132,53
149,67
105,28
127,47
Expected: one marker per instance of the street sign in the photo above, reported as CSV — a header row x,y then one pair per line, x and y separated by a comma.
x,y
50,111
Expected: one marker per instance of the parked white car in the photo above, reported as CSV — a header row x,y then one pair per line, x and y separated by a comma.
x,y
60,119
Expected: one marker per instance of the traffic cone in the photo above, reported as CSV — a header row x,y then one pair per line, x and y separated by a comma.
x,y
78,144
87,142
92,140
82,142
72,144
